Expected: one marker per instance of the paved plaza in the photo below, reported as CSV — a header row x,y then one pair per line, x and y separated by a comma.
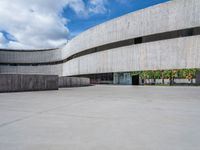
x,y
101,117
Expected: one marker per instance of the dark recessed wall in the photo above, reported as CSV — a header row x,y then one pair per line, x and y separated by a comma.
x,y
22,82
73,82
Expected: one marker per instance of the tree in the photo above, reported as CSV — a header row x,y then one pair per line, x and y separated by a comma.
x,y
158,74
135,73
143,76
167,74
174,74
189,74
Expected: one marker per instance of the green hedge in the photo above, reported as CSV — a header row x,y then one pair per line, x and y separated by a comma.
x,y
167,74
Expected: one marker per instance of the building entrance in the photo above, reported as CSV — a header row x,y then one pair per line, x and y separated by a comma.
x,y
135,80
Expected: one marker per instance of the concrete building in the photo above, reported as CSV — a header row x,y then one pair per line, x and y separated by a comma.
x,y
164,36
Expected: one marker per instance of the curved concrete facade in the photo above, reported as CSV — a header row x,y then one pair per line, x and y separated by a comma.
x,y
168,53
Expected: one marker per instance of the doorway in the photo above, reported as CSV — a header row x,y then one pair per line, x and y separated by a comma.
x,y
135,80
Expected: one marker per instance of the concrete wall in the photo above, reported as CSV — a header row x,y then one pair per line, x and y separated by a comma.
x,y
46,69
19,82
167,54
73,82
30,56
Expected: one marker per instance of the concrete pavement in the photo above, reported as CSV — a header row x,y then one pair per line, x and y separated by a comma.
x,y
101,118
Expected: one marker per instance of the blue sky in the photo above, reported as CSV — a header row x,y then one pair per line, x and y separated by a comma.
x,y
27,24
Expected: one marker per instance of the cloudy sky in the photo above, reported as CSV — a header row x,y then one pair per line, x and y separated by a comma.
x,y
51,23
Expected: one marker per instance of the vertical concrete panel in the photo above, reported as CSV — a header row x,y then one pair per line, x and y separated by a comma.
x,y
19,82
73,82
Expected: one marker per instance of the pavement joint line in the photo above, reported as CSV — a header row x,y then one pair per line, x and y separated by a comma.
x,y
38,113
88,117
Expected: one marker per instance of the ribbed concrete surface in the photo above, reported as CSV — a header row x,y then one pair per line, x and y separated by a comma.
x,y
167,54
24,82
73,82
101,118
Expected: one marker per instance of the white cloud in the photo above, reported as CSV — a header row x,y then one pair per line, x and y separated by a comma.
x,y
78,6
97,6
39,23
